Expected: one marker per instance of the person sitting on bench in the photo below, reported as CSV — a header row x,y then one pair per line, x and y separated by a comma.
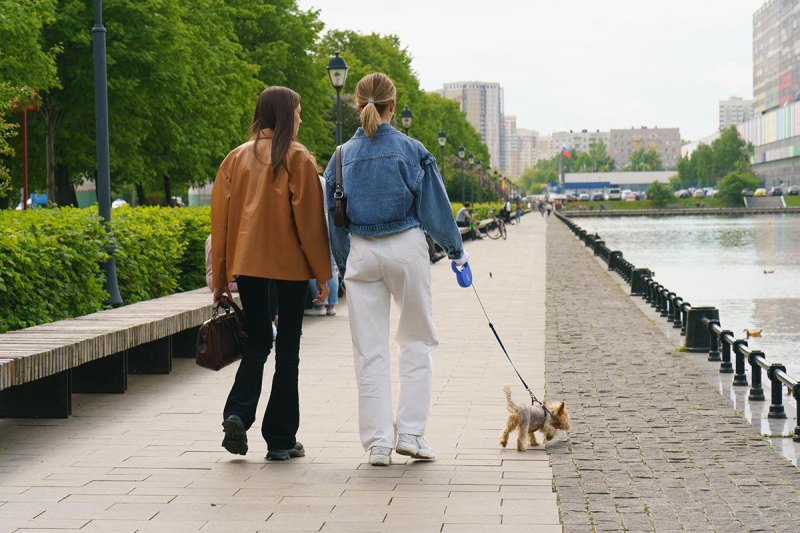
x,y
464,220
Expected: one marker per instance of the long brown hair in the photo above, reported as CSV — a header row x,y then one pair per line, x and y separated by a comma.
x,y
374,93
275,110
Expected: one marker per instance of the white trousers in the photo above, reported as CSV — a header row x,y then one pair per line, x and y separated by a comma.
x,y
377,268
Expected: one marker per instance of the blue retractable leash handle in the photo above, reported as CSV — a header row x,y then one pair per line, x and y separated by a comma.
x,y
464,278
463,274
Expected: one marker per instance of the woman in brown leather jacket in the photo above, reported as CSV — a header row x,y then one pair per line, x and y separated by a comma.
x,y
267,223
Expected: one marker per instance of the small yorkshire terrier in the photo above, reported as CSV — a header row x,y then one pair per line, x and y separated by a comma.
x,y
527,419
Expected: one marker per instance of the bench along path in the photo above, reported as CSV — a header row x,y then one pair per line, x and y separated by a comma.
x,y
652,446
150,460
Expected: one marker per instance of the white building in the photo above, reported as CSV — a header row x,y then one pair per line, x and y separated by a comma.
x,y
483,104
544,148
734,111
520,150
577,141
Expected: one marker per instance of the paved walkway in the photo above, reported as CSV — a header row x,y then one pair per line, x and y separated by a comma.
x,y
150,460
652,446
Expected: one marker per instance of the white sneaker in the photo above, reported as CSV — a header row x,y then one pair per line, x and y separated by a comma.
x,y
315,311
414,446
380,456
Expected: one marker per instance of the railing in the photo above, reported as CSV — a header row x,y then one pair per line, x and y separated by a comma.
x,y
701,328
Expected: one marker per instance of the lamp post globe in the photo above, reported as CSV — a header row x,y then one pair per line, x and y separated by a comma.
x,y
442,138
462,152
471,159
337,70
406,118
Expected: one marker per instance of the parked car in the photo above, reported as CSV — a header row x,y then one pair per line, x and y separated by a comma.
x,y
571,197
747,193
614,194
699,193
711,193
626,193
683,193
598,197
583,197
793,191
776,191
760,192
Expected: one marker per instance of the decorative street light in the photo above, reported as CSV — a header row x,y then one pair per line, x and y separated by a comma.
x,y
488,180
337,70
442,138
461,153
494,188
103,164
479,166
406,118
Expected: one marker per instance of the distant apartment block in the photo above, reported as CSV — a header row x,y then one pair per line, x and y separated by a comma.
x,y
734,111
776,62
520,150
577,141
544,148
483,104
665,141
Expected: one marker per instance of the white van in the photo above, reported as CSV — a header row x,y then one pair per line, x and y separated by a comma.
x,y
614,194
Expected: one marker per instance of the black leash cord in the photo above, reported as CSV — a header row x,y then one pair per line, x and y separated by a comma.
x,y
534,399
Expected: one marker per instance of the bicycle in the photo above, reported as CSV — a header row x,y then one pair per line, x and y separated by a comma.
x,y
496,228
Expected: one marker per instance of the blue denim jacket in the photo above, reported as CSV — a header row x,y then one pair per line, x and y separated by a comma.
x,y
392,184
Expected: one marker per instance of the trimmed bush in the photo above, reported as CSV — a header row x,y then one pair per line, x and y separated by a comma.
x,y
481,210
50,259
49,266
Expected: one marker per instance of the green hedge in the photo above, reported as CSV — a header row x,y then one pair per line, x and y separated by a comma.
x,y
50,259
481,210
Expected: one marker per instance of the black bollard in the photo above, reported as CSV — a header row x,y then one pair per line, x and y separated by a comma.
x,y
671,301
739,377
713,351
614,259
598,246
726,367
655,300
796,396
697,339
685,312
678,318
664,301
776,409
756,391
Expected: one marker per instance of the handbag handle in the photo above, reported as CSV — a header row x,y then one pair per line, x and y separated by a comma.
x,y
338,193
227,304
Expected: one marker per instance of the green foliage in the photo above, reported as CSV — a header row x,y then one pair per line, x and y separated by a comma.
x,y
659,194
50,259
730,187
643,161
481,211
49,266
708,164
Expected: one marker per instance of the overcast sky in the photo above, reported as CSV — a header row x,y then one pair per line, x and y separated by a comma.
x,y
575,64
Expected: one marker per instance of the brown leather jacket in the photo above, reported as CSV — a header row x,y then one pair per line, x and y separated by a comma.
x,y
267,224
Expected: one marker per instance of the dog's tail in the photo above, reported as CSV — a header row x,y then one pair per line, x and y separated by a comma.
x,y
512,407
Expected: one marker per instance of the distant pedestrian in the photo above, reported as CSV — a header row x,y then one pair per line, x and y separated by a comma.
x,y
518,212
549,209
541,209
267,223
393,189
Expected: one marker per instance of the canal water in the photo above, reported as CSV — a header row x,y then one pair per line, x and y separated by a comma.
x,y
720,261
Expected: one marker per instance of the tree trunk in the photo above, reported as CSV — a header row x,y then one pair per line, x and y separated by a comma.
x,y
167,192
65,190
140,195
52,121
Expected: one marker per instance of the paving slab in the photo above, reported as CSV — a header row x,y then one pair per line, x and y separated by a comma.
x,y
151,460
653,446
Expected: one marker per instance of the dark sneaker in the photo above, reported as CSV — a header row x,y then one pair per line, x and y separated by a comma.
x,y
235,440
282,455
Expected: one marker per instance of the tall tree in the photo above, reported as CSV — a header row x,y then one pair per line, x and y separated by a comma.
x,y
584,163
703,165
730,152
599,153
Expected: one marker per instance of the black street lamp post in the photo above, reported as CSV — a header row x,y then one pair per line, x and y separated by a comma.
x,y
471,161
103,159
478,168
337,70
494,188
442,138
461,153
406,118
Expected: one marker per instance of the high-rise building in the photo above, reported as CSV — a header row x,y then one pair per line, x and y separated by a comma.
x,y
776,63
665,141
483,104
577,141
544,148
520,151
734,111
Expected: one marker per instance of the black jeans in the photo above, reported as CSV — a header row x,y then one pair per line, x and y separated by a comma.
x,y
282,417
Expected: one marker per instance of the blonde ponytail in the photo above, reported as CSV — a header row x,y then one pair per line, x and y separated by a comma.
x,y
374,93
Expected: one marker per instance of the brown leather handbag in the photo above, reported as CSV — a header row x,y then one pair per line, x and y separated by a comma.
x,y
221,339
340,218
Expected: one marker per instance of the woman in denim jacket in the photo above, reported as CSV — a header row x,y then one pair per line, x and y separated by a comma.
x,y
394,191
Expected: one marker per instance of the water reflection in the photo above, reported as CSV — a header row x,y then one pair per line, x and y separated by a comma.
x,y
720,261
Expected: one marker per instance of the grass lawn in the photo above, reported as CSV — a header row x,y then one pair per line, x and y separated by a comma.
x,y
792,201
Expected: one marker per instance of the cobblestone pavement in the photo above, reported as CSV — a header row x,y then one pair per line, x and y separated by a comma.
x,y
150,460
652,446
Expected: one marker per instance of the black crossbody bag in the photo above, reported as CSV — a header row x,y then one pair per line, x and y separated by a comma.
x,y
340,219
